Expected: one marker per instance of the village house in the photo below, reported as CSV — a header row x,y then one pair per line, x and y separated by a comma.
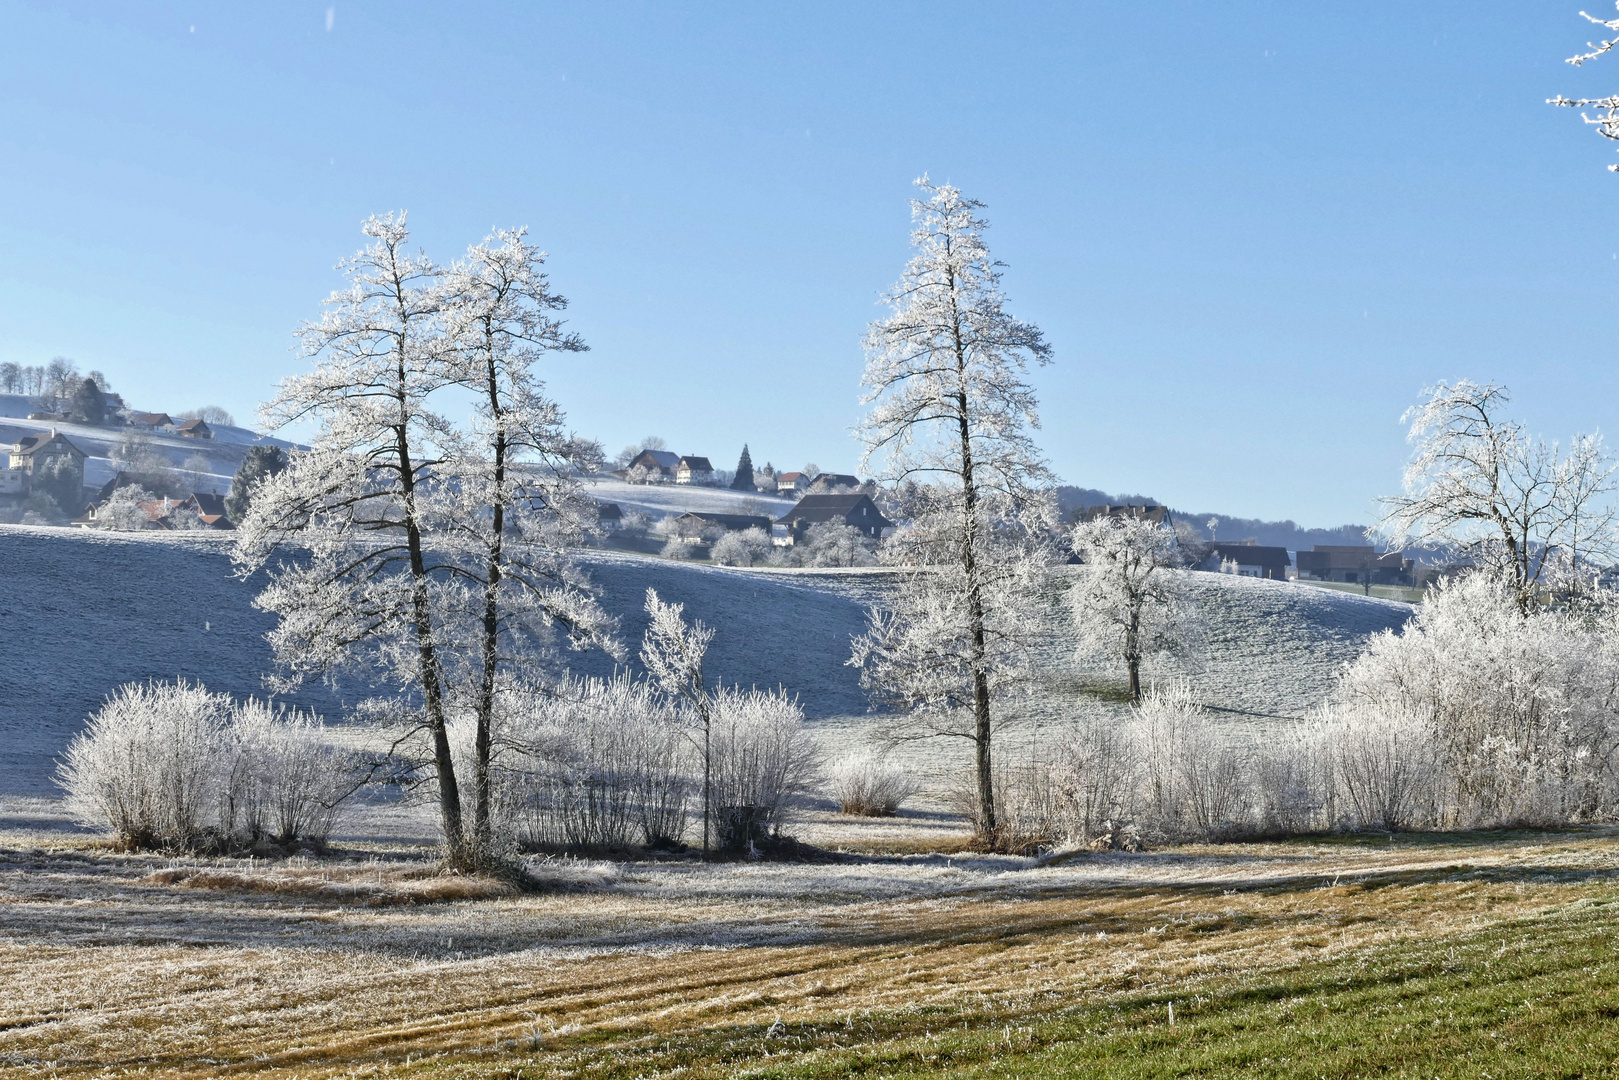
x,y
652,467
1250,560
13,482
150,421
696,528
1355,564
832,484
694,470
793,483
195,429
35,453
855,510
609,516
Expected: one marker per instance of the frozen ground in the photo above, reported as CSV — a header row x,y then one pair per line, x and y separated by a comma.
x,y
662,500
90,611
224,452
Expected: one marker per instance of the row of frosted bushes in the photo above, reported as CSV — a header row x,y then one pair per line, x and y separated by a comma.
x,y
590,763
1474,715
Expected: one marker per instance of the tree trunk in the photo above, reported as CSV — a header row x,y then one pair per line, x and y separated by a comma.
x,y
449,792
483,824
1134,663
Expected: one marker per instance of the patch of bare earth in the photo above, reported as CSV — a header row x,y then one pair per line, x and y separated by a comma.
x,y
111,963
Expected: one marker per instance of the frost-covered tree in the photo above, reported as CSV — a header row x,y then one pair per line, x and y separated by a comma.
x,y
1607,120
123,512
10,377
745,547
260,462
210,414
513,505
743,478
61,377
951,412
1511,503
358,585
673,653
1128,598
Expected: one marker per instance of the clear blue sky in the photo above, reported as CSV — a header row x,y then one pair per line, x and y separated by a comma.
x,y
1251,231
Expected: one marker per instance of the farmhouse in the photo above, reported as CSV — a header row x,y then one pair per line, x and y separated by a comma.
x,y
195,429
609,516
694,470
855,510
652,467
694,527
1251,560
150,421
831,483
1356,564
35,453
793,483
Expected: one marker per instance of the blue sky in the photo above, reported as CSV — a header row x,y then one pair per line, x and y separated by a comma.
x,y
1252,231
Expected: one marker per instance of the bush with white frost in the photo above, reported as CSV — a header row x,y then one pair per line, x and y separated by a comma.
x,y
762,757
590,763
870,785
747,547
175,767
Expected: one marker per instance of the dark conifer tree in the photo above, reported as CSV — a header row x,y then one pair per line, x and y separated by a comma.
x,y
260,462
743,481
89,404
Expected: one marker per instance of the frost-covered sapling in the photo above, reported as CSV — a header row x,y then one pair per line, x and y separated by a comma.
x,y
951,412
1129,597
673,653
762,757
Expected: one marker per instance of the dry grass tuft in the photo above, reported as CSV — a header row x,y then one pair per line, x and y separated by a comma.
x,y
386,885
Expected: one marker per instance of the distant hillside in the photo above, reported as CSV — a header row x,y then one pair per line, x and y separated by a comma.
x,y
89,611
1273,533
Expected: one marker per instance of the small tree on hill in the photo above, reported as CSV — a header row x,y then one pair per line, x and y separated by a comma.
x,y
673,652
260,463
743,480
1128,598
89,403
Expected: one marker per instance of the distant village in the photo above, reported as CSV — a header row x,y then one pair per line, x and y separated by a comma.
x,y
836,519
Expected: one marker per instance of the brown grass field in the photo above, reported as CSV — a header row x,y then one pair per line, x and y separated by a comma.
x,y
371,964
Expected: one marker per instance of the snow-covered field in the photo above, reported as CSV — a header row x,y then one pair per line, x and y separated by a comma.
x,y
90,611
224,452
661,500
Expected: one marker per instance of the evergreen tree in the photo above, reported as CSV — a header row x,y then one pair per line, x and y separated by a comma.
x,y
744,471
89,404
260,463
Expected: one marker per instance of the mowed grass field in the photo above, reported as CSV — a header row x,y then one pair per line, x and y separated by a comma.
x,y
1479,955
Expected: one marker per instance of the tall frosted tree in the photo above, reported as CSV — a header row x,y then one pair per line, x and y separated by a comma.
x,y
950,420
513,505
743,481
352,514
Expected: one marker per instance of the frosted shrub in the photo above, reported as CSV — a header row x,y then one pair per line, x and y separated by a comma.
x,y
870,785
1095,773
1517,711
750,547
173,766
147,765
830,544
595,763
286,780
762,757
1191,779
1384,770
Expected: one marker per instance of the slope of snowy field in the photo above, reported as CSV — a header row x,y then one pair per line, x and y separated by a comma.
x,y
661,500
224,452
90,611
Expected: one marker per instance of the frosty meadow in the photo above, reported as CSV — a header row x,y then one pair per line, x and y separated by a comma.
x,y
413,733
